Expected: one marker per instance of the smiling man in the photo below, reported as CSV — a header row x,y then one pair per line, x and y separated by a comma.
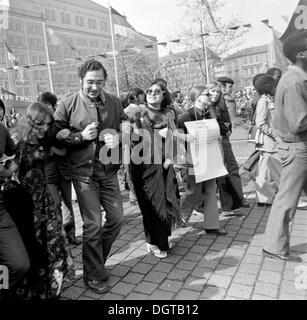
x,y
86,114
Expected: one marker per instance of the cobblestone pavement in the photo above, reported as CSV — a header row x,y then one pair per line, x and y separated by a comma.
x,y
200,266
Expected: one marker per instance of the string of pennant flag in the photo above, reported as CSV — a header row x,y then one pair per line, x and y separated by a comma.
x,y
121,30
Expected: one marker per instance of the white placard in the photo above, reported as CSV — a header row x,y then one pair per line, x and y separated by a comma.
x,y
205,151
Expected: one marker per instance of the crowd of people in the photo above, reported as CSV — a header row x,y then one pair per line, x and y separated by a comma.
x,y
85,138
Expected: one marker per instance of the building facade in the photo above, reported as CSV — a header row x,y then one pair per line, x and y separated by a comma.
x,y
245,64
186,69
83,28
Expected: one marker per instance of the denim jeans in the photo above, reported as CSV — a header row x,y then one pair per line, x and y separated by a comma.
x,y
98,233
293,180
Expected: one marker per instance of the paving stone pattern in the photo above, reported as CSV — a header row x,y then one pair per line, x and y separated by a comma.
x,y
199,266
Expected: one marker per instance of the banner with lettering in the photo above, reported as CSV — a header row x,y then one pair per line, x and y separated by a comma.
x,y
298,22
13,100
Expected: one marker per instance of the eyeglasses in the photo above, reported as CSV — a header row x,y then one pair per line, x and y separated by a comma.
x,y
99,83
154,92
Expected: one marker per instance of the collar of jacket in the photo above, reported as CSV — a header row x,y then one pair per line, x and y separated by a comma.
x,y
299,70
90,102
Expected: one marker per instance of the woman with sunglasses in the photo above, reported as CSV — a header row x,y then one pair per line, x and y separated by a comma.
x,y
152,173
203,192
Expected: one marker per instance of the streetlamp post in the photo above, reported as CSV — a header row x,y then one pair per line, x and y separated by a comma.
x,y
204,44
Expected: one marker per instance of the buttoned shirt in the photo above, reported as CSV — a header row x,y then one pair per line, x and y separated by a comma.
x,y
290,116
77,111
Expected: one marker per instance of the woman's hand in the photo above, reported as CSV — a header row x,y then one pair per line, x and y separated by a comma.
x,y
63,134
167,163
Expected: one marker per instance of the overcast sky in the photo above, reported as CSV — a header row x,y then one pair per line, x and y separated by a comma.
x,y
160,17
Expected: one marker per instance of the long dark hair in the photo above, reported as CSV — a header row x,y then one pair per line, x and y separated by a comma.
x,y
167,101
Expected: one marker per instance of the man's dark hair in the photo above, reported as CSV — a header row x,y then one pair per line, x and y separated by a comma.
x,y
48,97
257,76
91,65
224,80
2,106
273,71
175,93
133,94
294,45
265,85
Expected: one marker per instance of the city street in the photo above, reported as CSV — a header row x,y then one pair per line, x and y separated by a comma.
x,y
201,266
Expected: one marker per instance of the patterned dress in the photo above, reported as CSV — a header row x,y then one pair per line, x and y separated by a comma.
x,y
52,259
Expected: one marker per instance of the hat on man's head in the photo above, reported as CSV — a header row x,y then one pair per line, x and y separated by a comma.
x,y
225,80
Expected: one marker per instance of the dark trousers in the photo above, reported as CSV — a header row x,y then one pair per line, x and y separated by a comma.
x,y
230,186
156,230
98,233
62,191
13,254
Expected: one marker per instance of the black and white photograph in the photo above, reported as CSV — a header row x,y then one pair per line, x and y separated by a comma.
x,y
153,154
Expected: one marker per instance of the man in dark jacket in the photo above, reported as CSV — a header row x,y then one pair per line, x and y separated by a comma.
x,y
13,254
230,187
92,119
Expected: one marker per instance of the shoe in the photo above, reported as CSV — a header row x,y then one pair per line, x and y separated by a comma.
x,y
97,286
170,245
184,221
74,240
218,232
156,251
262,204
227,213
245,204
284,257
302,205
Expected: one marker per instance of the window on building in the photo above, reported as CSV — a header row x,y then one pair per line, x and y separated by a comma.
x,y
252,71
257,58
19,91
104,26
50,15
245,61
36,75
258,69
246,72
79,21
251,59
65,18
92,23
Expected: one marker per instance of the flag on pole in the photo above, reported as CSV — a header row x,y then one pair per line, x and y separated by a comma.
x,y
276,54
4,17
298,22
123,28
56,40
15,63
